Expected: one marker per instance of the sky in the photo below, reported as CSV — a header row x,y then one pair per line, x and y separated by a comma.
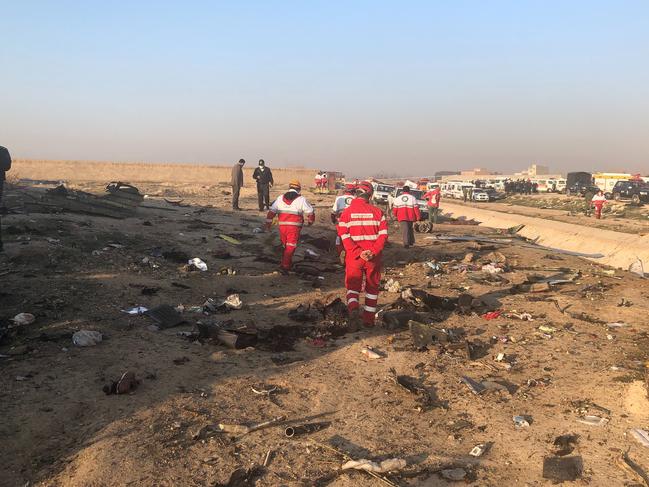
x,y
366,87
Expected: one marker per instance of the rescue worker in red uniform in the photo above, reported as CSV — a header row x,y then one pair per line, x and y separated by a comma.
x,y
598,202
406,211
292,209
363,230
433,198
342,201
324,182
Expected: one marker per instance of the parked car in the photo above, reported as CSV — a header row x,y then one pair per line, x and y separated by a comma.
x,y
495,195
480,194
419,196
486,194
636,191
381,193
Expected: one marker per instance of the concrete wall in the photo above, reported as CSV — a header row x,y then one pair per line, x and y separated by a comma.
x,y
619,249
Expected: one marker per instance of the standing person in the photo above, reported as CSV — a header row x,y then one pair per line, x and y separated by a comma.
x,y
465,193
237,183
324,182
291,209
433,198
5,165
340,204
363,229
598,202
318,182
264,177
406,210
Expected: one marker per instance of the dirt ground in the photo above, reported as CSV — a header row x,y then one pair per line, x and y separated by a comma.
x,y
77,272
622,216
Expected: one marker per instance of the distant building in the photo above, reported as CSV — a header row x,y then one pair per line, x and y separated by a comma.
x,y
534,170
478,171
442,174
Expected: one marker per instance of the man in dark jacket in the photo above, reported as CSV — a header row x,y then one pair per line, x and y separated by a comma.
x,y
264,178
237,183
5,165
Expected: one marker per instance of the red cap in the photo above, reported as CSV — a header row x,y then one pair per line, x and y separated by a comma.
x,y
365,187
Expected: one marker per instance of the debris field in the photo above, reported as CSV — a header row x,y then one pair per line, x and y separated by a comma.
x,y
163,348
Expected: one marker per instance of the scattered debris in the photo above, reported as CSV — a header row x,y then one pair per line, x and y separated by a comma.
x,y
562,469
229,239
304,314
22,319
565,444
233,301
424,335
389,465
125,384
593,420
137,310
414,386
121,201
231,338
454,474
641,435
392,286
165,316
86,338
521,421
479,450
630,466
637,268
304,429
430,302
196,264
475,387
370,353
239,429
540,287
492,315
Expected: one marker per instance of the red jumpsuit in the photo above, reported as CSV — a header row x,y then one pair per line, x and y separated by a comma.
x,y
598,202
291,209
363,226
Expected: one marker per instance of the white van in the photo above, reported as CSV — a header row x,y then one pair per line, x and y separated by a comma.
x,y
454,189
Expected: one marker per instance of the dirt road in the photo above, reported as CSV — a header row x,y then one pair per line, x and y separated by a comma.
x,y
77,272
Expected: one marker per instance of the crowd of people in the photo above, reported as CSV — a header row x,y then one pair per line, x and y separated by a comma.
x,y
520,186
361,234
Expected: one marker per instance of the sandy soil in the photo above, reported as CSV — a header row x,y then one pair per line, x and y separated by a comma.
x,y
60,429
608,222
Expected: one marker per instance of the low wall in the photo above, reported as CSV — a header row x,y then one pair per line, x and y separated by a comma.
x,y
619,249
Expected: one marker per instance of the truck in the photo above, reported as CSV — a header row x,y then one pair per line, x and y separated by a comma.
x,y
606,180
580,183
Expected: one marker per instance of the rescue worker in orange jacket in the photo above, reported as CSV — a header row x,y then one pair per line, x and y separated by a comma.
x,y
363,229
292,209
406,211
342,201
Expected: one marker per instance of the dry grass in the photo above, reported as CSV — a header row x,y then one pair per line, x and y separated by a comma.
x,y
77,172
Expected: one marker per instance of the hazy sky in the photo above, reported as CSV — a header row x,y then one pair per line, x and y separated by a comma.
x,y
406,87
